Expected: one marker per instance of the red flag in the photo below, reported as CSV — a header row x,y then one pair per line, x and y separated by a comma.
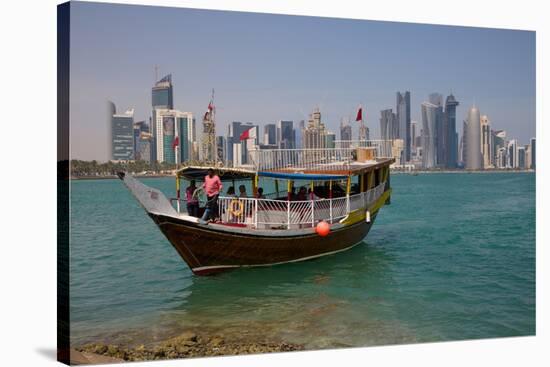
x,y
359,114
248,134
175,142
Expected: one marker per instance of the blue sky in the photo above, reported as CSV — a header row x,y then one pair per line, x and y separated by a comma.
x,y
270,67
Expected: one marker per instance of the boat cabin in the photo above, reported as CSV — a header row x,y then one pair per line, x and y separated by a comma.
x,y
291,188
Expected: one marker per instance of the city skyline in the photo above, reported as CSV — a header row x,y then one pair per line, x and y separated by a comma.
x,y
335,64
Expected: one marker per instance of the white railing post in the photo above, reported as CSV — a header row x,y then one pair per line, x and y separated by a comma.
x,y
347,203
330,210
288,214
312,213
256,213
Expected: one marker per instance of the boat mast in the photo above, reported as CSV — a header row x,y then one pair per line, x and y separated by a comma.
x,y
208,141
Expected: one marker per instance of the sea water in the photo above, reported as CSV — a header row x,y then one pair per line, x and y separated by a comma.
x,y
451,258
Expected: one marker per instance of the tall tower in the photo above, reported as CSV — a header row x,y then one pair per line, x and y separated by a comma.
x,y
429,118
451,147
208,140
485,147
473,140
403,114
162,97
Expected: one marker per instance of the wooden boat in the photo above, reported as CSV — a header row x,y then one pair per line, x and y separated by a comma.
x,y
347,188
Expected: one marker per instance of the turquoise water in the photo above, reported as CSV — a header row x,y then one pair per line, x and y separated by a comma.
x,y
452,257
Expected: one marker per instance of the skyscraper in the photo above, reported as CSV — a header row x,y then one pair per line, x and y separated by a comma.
x,y
299,132
440,131
221,147
169,124
533,153
139,128
285,135
314,133
122,136
498,141
330,139
485,133
389,127
270,134
429,117
472,146
162,97
512,154
451,143
521,158
403,113
345,130
414,134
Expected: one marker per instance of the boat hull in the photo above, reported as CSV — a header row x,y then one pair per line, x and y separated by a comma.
x,y
207,250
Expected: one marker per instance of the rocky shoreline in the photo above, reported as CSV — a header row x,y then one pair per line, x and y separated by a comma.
x,y
187,345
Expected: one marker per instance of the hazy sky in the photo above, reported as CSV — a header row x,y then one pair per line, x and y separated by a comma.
x,y
266,68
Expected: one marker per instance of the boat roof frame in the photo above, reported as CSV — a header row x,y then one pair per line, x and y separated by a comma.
x,y
238,173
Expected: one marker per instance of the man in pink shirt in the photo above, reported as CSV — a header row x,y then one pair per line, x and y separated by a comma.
x,y
212,185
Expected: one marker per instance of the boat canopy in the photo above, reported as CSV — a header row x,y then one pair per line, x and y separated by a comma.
x,y
302,176
225,173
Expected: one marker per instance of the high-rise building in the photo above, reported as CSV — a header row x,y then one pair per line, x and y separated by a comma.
x,y
221,146
314,133
330,140
169,124
139,128
300,134
501,158
472,142
451,143
436,99
285,134
403,113
122,136
237,150
162,97
270,134
512,154
414,134
145,140
533,153
429,118
521,158
345,130
163,94
485,133
389,126
498,140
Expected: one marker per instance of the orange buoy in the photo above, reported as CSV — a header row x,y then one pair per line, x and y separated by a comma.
x,y
323,228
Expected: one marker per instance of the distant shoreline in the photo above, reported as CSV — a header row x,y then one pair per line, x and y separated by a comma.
x,y
394,172
111,177
413,172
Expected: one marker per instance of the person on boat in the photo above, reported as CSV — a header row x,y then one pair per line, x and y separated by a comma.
x,y
292,195
311,195
231,192
192,201
302,194
242,191
260,193
212,185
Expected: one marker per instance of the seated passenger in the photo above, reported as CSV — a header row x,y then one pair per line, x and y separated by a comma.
x,y
302,194
231,192
311,195
242,191
260,193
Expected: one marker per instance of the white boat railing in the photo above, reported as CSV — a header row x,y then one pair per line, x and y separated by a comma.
x,y
337,158
269,213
